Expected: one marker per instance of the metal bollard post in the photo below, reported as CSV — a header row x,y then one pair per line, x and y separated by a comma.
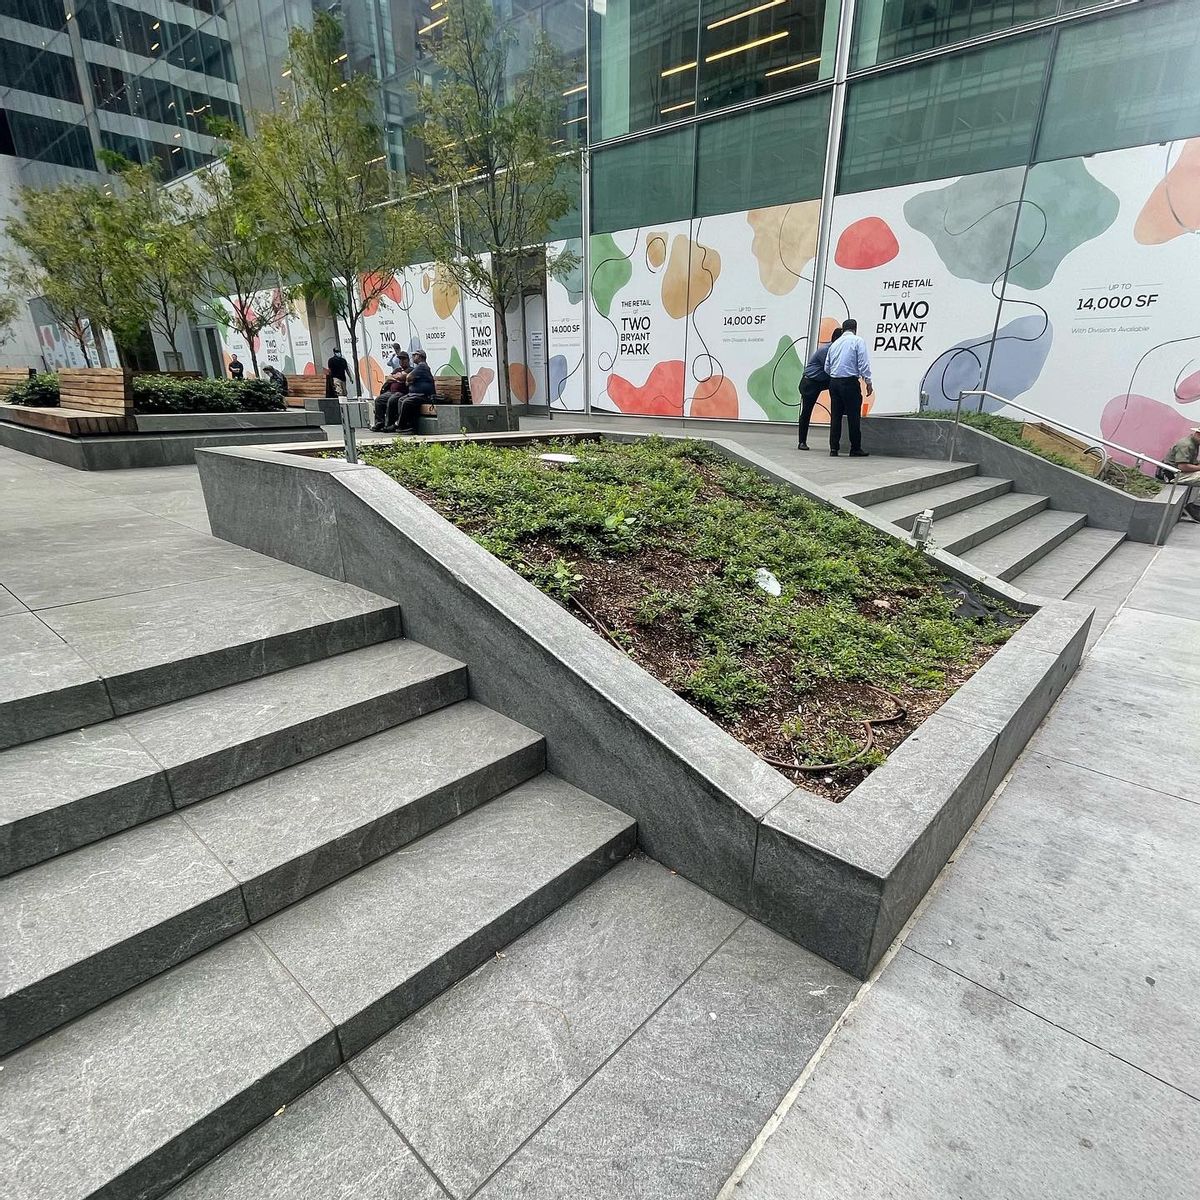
x,y
354,416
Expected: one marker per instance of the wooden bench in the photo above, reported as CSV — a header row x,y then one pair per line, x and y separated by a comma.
x,y
303,387
70,422
95,392
11,377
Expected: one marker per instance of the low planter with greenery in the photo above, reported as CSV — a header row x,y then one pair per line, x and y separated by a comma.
x,y
38,391
167,394
1005,429
816,640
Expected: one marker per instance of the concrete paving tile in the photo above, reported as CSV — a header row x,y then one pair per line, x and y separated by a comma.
x,y
9,604
472,1075
331,1144
59,793
88,925
1143,642
1140,728
673,1111
1170,591
387,939
937,1089
1075,899
45,687
180,1068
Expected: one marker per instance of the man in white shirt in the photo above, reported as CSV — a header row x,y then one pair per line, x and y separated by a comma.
x,y
846,364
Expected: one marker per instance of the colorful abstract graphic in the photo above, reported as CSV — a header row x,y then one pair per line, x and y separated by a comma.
x,y
660,396
692,271
1142,424
610,271
785,240
1173,208
866,244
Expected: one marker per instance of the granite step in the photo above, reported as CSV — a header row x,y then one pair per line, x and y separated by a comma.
x,y
1015,550
127,1100
945,500
956,534
1061,571
59,793
90,924
922,475
102,658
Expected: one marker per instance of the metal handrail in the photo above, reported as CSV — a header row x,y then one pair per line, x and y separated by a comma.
x,y
1093,443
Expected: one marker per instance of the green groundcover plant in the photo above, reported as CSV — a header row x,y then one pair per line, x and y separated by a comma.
x,y
659,544
1005,429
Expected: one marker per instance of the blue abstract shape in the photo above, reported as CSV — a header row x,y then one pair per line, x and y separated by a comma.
x,y
1016,360
558,376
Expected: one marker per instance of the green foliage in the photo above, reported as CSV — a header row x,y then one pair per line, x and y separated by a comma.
x,y
815,747
38,391
10,309
1005,429
856,606
171,394
497,181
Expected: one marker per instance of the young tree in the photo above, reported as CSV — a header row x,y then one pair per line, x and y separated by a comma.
x,y
319,175
497,183
167,260
241,265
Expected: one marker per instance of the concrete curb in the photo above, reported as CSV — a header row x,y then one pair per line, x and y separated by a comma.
x,y
840,879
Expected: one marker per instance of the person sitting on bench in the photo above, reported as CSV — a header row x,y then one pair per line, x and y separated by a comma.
x,y
421,392
387,403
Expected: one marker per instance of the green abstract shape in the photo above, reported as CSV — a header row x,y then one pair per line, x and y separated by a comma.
x,y
1064,206
611,271
455,366
777,382
970,222
572,278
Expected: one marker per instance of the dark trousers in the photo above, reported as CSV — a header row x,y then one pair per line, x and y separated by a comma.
x,y
387,407
410,410
845,400
810,390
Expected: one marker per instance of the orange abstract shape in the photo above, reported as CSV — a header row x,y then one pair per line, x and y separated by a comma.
x,y
656,250
660,396
309,369
785,241
446,294
425,281
866,243
1173,208
393,290
521,382
715,397
692,270
371,374
828,326
480,382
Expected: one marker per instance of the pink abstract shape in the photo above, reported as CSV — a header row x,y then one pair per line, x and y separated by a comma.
x,y
660,396
1144,425
480,382
1173,208
866,243
1187,390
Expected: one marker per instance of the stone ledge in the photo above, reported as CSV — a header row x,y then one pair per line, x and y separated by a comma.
x,y
841,879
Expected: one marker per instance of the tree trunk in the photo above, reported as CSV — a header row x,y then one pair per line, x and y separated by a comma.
x,y
500,307
353,323
253,356
101,348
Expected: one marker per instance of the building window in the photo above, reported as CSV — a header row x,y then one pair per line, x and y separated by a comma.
x,y
644,182
47,13
752,48
762,157
51,141
1128,79
643,63
41,72
889,29
967,112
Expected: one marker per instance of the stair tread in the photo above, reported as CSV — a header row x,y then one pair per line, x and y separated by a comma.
x,y
1066,566
961,529
897,481
198,636
903,507
141,901
999,554
196,1057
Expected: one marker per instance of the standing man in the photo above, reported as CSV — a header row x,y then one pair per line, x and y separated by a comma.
x,y
813,382
847,363
1185,457
339,371
394,363
237,369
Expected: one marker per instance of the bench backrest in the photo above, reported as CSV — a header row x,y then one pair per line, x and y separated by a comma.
x,y
306,385
98,389
452,389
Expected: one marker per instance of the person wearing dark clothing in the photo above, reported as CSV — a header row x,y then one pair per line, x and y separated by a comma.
x,y
278,379
237,369
846,363
421,391
813,383
339,371
395,387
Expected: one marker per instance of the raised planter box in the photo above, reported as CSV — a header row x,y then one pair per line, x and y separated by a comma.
x,y
469,418
840,879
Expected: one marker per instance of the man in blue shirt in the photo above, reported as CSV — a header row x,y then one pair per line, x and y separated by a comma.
x,y
845,364
813,382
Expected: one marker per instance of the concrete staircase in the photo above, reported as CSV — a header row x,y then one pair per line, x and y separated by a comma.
x,y
1013,535
267,851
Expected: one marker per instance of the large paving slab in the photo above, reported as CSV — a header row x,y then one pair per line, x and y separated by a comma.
x,y
332,1144
1144,642
673,1111
474,1074
937,1089
1075,900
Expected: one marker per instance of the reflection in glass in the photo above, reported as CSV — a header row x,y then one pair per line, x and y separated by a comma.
x,y
649,180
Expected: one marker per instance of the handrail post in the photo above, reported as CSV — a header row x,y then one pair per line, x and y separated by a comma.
x,y
1162,522
954,431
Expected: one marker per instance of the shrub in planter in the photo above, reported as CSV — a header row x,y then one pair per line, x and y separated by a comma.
x,y
169,394
38,391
